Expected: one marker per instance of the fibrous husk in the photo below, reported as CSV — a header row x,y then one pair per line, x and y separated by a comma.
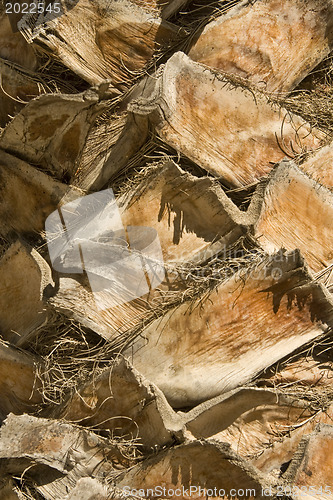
x,y
198,469
28,196
109,147
195,351
165,8
123,401
232,132
102,40
296,212
19,383
194,220
22,308
305,372
272,44
51,131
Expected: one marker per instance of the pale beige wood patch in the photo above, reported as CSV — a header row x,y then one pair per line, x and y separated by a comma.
x,y
28,196
271,43
199,350
230,131
51,131
251,420
21,293
297,213
188,213
311,467
19,383
319,166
